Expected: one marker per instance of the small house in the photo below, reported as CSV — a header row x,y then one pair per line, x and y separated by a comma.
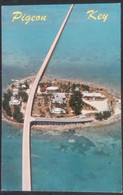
x,y
58,111
92,95
14,101
52,89
58,100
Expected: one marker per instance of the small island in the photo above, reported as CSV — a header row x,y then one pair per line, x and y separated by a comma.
x,y
61,99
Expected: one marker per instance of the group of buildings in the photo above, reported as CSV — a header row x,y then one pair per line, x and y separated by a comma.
x,y
15,100
58,98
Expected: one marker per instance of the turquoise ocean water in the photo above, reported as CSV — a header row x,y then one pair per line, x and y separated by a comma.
x,y
87,50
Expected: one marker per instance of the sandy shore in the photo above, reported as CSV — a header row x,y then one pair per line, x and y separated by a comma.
x,y
61,128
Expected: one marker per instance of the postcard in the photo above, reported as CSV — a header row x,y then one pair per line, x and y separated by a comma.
x,y
61,98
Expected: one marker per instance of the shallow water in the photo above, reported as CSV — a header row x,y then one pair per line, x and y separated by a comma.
x,y
91,162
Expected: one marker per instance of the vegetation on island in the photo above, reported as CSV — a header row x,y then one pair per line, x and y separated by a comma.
x,y
76,102
24,96
85,87
17,115
103,115
68,100
25,84
6,99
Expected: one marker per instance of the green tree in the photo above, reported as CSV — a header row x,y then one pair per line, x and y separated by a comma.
x,y
85,87
73,87
45,100
5,103
106,114
24,96
17,115
7,95
12,85
103,115
41,84
99,116
76,102
48,110
8,110
77,109
39,103
17,108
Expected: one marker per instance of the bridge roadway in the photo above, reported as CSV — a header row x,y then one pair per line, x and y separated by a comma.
x,y
26,148
44,120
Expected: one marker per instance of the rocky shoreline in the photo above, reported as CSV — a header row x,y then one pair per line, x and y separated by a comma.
x,y
58,129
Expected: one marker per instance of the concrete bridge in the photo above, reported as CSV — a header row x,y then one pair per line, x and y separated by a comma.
x,y
59,121
26,149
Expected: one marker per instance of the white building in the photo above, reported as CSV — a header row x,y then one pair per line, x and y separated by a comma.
x,y
52,88
92,95
58,98
15,92
60,95
77,89
24,86
14,101
58,111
